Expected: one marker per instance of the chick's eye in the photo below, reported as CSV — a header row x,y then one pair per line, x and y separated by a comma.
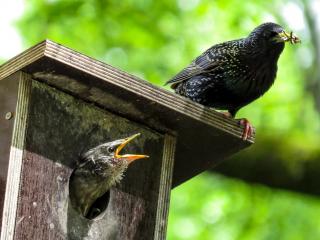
x,y
111,149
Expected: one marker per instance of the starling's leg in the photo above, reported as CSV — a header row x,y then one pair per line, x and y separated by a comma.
x,y
247,128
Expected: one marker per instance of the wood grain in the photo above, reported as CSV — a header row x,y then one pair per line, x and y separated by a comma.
x,y
68,103
8,101
165,187
59,128
15,159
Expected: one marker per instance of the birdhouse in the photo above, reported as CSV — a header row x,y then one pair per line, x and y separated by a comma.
x,y
57,103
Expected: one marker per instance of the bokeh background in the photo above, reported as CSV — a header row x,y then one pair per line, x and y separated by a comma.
x,y
269,191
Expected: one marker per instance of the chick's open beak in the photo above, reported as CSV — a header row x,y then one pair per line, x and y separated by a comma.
x,y
287,37
129,157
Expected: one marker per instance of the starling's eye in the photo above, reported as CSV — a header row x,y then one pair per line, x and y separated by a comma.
x,y
273,34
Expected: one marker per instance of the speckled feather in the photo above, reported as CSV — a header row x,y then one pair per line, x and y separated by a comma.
x,y
232,74
96,173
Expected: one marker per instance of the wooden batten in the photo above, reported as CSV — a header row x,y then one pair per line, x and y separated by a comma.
x,y
16,156
165,187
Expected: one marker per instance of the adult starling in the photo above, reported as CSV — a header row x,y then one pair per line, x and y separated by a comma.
x,y
100,168
232,74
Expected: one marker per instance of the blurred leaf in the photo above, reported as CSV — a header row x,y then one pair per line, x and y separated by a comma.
x,y
213,207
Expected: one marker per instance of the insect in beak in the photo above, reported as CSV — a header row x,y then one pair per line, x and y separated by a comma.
x,y
288,37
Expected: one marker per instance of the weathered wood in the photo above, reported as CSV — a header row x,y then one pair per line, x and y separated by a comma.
x,y
8,101
217,136
16,156
67,103
165,187
59,128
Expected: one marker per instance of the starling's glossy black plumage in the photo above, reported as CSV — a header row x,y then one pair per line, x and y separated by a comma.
x,y
232,74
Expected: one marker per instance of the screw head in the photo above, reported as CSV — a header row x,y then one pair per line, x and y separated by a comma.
x,y
8,115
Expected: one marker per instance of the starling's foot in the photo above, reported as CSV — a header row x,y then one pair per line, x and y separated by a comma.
x,y
247,128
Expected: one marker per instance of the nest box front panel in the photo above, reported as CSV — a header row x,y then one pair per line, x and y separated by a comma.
x,y
59,128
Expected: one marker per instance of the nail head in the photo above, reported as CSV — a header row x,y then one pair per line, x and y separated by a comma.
x,y
8,115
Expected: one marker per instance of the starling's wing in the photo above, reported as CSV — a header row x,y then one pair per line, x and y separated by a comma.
x,y
206,62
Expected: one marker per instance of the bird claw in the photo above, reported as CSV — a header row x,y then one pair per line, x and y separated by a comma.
x,y
248,129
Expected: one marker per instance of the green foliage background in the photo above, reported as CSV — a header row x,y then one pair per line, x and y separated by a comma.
x,y
213,207
154,40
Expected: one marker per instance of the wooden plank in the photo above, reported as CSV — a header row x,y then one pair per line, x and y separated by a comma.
x,y
59,128
8,100
15,159
165,187
23,59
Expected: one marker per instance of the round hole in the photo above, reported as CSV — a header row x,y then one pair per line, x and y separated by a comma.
x,y
99,206
76,194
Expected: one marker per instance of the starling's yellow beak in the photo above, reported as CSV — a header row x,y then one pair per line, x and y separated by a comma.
x,y
129,157
287,37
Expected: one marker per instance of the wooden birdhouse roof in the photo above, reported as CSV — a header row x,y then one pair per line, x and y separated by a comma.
x,y
204,136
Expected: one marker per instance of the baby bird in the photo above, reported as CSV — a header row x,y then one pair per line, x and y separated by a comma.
x,y
100,168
